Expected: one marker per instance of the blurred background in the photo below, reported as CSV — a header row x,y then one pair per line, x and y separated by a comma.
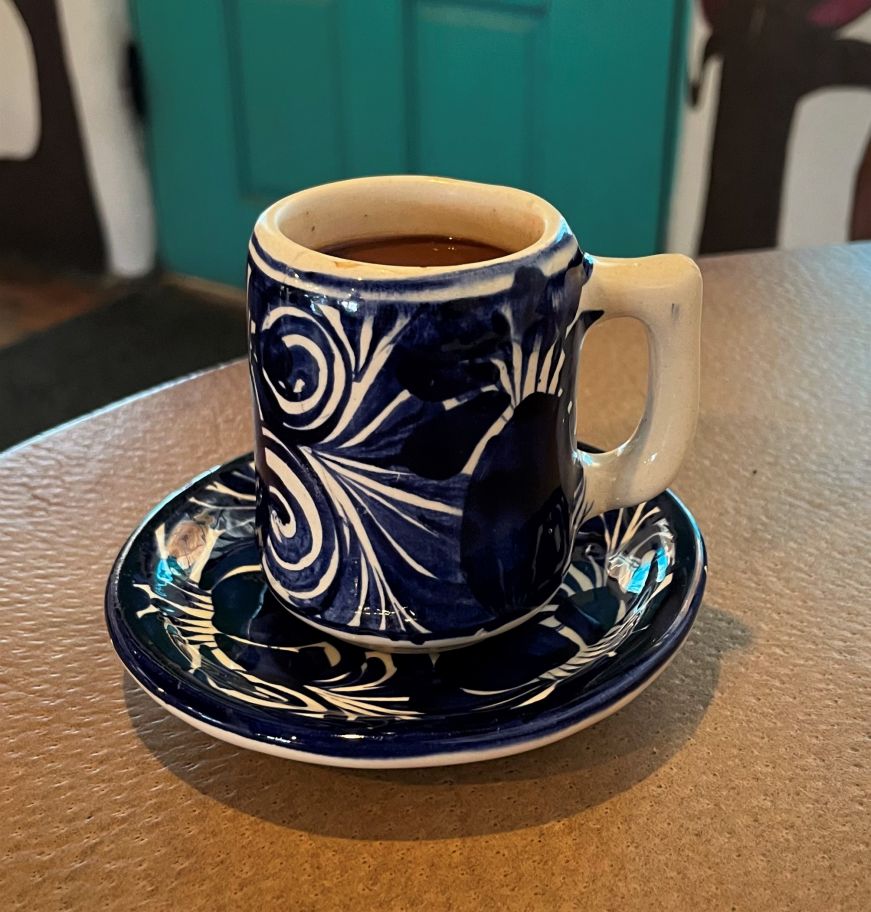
x,y
139,140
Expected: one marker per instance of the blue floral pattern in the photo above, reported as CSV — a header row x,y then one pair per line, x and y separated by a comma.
x,y
194,621
415,462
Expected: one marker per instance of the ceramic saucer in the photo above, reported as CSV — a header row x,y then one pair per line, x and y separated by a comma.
x,y
193,622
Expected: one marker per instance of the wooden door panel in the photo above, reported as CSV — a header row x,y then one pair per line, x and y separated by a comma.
x,y
249,100
474,73
286,94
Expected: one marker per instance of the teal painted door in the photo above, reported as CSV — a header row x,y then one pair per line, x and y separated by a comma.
x,y
249,100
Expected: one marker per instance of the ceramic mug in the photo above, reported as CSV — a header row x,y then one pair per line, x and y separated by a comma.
x,y
419,485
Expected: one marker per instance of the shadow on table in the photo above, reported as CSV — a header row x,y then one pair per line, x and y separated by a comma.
x,y
549,784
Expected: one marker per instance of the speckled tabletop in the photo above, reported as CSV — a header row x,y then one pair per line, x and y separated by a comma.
x,y
739,780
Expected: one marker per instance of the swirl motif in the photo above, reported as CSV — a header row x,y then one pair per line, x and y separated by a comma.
x,y
296,520
302,368
303,365
379,427
199,598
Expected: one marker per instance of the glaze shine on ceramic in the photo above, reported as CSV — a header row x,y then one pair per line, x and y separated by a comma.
x,y
192,618
419,483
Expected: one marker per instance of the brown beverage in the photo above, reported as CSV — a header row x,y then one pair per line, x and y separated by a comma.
x,y
416,250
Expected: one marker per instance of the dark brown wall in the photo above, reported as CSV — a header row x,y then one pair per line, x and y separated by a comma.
x,y
47,209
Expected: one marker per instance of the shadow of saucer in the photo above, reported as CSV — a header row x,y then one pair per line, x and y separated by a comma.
x,y
549,784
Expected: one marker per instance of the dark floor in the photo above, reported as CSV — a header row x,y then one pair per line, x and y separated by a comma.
x,y
70,343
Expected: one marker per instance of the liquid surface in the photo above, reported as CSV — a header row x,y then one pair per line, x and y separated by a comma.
x,y
416,250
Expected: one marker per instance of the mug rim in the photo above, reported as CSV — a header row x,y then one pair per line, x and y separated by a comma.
x,y
272,246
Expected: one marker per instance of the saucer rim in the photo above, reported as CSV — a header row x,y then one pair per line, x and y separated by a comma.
x,y
551,725
418,761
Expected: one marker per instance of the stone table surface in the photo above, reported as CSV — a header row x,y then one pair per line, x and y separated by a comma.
x,y
739,780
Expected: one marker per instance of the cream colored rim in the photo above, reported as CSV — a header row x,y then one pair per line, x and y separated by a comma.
x,y
292,230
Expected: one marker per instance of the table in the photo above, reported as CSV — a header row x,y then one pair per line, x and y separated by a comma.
x,y
738,781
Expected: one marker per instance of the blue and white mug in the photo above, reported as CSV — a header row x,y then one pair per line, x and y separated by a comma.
x,y
419,481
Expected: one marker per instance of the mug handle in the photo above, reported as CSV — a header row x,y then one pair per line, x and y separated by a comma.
x,y
664,292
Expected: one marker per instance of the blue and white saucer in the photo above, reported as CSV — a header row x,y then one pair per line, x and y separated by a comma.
x,y
193,622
